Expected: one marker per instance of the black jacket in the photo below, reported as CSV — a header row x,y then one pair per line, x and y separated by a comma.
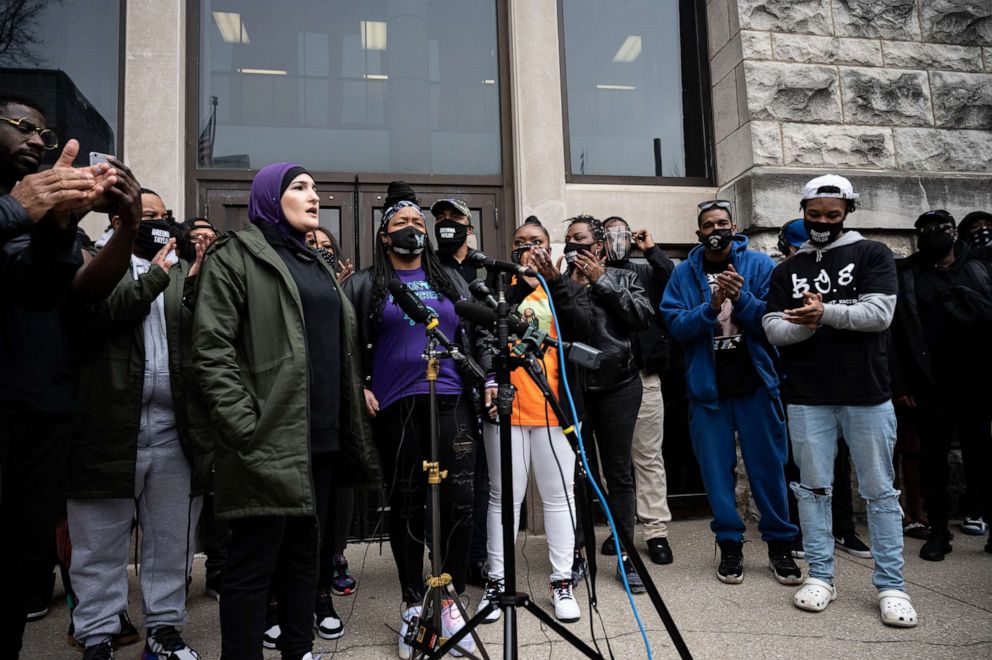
x,y
606,315
14,220
968,311
472,340
652,346
36,273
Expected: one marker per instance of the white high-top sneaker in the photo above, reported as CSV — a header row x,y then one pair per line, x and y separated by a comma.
x,y
452,622
493,589
566,607
409,613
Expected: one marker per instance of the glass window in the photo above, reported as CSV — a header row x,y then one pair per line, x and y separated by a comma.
x,y
625,76
397,86
66,56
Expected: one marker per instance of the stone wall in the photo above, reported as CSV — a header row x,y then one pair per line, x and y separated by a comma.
x,y
894,94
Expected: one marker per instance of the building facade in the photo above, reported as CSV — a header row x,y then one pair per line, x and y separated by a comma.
x,y
637,108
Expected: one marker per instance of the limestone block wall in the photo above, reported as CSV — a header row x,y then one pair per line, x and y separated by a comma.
x,y
895,94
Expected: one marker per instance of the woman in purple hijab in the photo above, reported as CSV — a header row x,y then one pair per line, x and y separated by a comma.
x,y
276,358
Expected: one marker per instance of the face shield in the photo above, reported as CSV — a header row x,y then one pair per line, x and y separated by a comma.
x,y
618,241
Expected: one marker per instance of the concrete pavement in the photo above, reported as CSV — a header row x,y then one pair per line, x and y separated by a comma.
x,y
753,620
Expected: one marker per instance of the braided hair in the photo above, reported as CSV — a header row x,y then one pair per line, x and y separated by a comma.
x,y
383,272
595,225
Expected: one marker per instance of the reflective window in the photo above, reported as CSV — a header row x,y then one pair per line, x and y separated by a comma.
x,y
627,79
397,86
66,56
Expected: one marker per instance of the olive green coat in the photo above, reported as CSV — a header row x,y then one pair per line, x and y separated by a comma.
x,y
250,360
111,377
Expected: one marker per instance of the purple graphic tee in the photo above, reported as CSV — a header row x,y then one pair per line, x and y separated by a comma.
x,y
398,366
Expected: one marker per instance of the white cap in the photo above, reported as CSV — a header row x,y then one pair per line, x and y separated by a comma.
x,y
812,189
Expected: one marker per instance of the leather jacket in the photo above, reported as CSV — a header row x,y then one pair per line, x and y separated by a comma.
x,y
471,339
605,315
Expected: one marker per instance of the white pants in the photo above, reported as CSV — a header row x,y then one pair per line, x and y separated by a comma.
x,y
649,465
533,449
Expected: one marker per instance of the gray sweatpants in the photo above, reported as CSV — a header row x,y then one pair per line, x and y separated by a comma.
x,y
100,530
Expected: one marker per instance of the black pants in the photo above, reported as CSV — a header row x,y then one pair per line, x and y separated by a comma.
x,y
971,417
33,452
480,509
281,552
611,416
402,432
335,508
215,535
843,504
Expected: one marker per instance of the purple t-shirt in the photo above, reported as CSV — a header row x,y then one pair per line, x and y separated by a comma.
x,y
398,368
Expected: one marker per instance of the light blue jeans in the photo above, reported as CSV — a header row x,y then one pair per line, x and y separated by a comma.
x,y
870,434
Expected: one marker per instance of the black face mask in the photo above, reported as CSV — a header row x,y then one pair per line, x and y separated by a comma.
x,y
572,250
717,240
934,245
152,237
407,241
330,258
980,238
822,233
450,235
517,254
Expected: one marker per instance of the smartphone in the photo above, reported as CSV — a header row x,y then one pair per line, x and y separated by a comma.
x,y
96,158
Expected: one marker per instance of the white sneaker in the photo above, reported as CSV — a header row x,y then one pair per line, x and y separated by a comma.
x,y
566,607
974,526
452,622
492,591
409,614
271,636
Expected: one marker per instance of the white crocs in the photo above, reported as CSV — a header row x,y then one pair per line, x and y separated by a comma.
x,y
896,608
815,595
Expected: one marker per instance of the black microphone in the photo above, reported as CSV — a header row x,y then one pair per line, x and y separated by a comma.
x,y
411,304
421,313
480,260
579,353
483,292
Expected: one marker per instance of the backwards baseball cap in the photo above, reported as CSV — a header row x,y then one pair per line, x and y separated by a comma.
x,y
829,185
937,215
458,205
794,233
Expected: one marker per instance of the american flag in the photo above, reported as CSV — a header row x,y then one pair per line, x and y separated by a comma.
x,y
205,145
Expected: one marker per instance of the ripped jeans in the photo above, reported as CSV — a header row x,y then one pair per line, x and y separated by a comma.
x,y
402,433
870,434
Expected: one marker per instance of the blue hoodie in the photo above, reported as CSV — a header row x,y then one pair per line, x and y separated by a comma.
x,y
686,311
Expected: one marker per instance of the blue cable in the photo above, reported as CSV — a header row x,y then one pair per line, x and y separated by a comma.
x,y
585,464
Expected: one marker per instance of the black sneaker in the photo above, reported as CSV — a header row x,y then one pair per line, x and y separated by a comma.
x,y
579,568
212,585
852,545
127,636
633,579
103,651
325,619
165,643
608,548
938,545
39,599
270,638
782,564
731,569
659,551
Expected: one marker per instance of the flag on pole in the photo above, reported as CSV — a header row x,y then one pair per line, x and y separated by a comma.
x,y
205,145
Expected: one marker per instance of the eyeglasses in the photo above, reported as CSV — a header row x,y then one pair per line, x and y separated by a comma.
x,y
26,126
713,204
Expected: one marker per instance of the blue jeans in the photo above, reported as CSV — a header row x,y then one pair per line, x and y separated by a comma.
x,y
758,419
870,434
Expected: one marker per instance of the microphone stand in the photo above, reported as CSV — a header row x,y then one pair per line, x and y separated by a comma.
x,y
426,638
511,599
